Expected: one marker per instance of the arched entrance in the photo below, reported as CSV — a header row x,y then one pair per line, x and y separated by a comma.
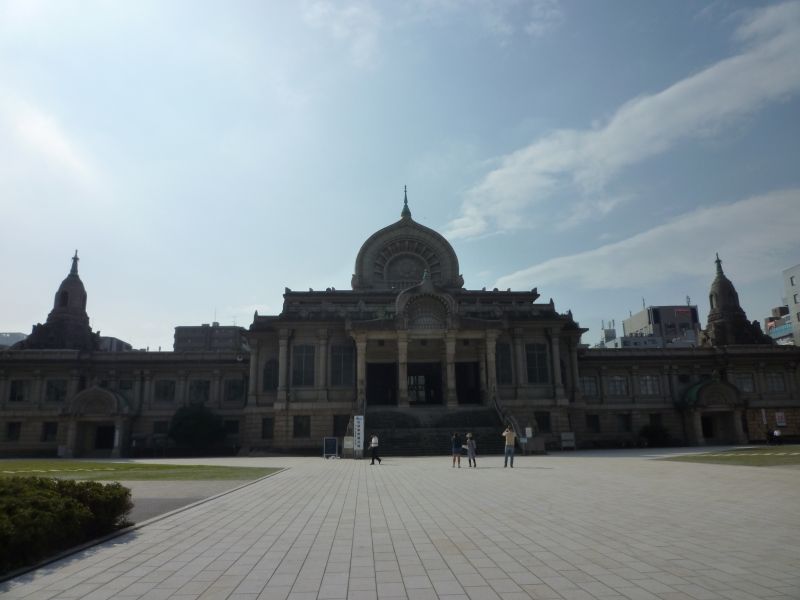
x,y
713,413
99,424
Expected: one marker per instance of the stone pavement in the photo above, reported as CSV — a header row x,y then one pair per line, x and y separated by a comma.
x,y
567,526
153,498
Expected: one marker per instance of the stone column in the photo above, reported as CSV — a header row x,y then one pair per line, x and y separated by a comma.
x,y
116,452
738,430
252,382
601,384
635,390
322,379
482,373
402,368
71,449
450,351
521,362
215,394
4,391
491,365
37,394
697,428
555,357
576,389
182,392
283,365
361,373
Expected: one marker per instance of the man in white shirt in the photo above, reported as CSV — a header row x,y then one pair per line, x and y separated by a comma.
x,y
373,444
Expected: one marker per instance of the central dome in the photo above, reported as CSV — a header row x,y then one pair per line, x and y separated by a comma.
x,y
396,257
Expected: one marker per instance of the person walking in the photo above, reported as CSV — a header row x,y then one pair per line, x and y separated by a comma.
x,y
373,444
455,442
776,437
509,436
471,447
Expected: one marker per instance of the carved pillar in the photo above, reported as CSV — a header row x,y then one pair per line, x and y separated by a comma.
x,y
450,351
402,368
322,378
555,354
361,373
521,363
283,365
491,365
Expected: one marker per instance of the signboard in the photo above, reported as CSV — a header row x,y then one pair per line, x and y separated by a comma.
x,y
358,433
330,447
780,419
529,432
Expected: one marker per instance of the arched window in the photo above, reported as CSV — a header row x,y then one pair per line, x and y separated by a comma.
x,y
270,376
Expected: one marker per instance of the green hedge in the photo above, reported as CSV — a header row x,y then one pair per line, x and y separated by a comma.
x,y
40,517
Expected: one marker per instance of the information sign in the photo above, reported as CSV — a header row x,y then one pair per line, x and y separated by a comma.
x,y
330,447
358,433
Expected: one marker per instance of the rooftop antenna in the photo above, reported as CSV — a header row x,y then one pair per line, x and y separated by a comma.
x,y
643,305
688,300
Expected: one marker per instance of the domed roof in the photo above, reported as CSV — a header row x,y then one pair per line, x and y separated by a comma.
x,y
71,295
395,257
722,295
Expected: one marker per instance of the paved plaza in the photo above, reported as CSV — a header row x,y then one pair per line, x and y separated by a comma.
x,y
609,525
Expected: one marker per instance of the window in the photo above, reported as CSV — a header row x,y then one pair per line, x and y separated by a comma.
x,y
625,422
775,382
340,423
656,420
301,427
165,390
126,388
342,365
503,364
744,381
56,390
199,391
536,355
648,385
617,385
18,391
160,427
684,378
231,427
543,421
270,376
588,385
796,301
593,423
303,365
13,431
234,390
49,431
267,428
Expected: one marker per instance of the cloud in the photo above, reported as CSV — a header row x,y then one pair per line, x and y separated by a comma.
x,y
543,17
684,247
354,23
581,162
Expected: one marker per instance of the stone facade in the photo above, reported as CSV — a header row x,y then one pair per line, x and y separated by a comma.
x,y
412,349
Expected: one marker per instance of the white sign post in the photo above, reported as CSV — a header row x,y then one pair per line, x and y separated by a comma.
x,y
358,435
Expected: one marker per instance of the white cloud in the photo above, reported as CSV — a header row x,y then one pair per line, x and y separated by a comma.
x,y
354,23
582,162
543,17
684,247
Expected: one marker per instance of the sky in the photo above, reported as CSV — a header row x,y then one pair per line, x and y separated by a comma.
x,y
202,156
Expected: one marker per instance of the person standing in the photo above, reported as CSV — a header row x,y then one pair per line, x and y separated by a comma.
x,y
509,436
373,444
471,446
776,437
455,442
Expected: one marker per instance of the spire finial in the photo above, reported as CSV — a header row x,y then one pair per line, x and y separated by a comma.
x,y
74,269
719,265
406,211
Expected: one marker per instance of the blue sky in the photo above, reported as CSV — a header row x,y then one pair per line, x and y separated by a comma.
x,y
201,156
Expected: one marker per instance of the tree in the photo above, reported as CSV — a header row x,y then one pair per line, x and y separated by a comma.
x,y
197,427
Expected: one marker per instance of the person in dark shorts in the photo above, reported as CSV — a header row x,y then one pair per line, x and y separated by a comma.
x,y
373,444
455,442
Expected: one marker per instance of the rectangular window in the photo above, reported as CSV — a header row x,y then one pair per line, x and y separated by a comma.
x,y
56,390
588,385
165,390
234,390
617,385
648,385
796,301
536,355
625,422
303,365
267,428
160,427
126,388
270,376
342,365
593,423
340,423
503,364
13,431
232,427
543,421
49,431
775,382
18,391
301,427
199,391
745,383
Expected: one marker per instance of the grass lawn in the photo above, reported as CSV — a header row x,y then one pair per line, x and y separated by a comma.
x,y
760,456
114,471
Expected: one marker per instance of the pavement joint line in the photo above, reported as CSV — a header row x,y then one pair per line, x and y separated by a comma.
x,y
119,533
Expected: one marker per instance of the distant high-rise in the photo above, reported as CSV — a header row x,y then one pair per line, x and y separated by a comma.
x,y
791,283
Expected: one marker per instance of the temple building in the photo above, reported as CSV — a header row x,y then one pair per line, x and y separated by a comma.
x,y
413,350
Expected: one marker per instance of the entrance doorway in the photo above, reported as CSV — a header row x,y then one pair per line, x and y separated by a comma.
x,y
104,437
468,387
424,383
381,384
